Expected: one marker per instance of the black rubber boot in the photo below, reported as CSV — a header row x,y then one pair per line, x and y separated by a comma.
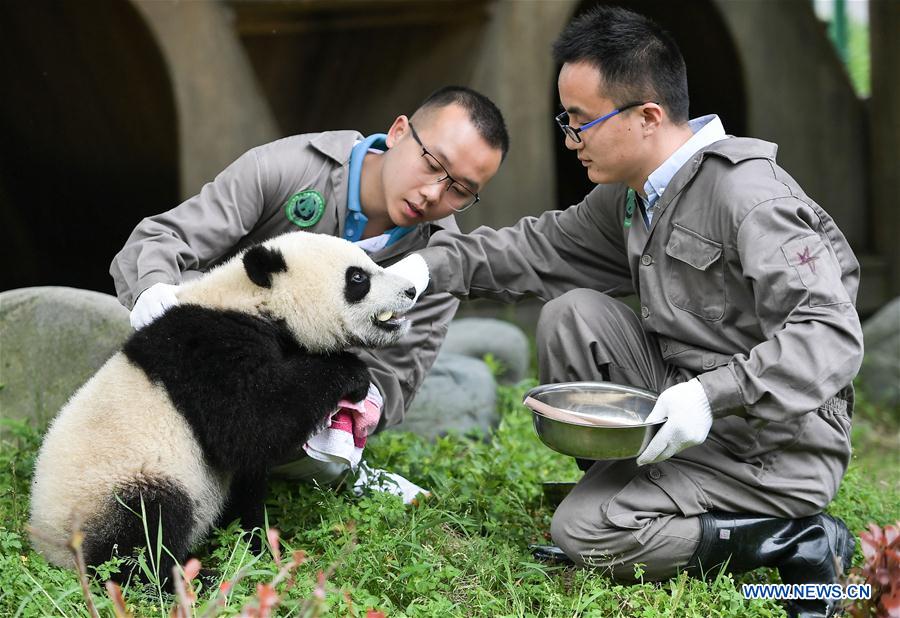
x,y
809,550
550,554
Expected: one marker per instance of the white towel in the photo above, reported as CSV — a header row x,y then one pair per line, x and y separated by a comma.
x,y
344,439
348,428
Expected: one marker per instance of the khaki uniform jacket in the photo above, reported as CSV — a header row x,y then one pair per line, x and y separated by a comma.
x,y
245,204
746,282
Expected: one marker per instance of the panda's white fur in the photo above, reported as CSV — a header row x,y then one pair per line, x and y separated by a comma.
x,y
122,431
319,279
96,443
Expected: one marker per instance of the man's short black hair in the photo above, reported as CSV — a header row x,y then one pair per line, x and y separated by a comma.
x,y
485,116
636,58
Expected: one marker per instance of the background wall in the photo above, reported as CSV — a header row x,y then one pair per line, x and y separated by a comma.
x,y
88,139
117,113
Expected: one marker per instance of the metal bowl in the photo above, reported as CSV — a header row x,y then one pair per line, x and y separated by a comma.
x,y
624,407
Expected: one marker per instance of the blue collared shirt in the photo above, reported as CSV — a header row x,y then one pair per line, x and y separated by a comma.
x,y
707,130
356,221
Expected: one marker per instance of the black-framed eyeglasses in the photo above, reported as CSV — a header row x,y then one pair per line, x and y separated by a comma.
x,y
457,195
572,132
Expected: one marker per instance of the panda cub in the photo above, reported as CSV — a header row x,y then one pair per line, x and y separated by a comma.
x,y
185,422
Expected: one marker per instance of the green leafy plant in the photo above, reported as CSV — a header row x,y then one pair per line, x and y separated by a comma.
x,y
497,366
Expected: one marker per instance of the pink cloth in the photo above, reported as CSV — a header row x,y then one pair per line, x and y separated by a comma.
x,y
345,437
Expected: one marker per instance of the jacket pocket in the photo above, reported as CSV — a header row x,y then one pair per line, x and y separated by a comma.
x,y
656,490
696,281
811,468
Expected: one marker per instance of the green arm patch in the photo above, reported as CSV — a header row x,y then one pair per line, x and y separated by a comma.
x,y
304,209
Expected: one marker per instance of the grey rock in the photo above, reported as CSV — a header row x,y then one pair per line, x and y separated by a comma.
x,y
458,396
879,378
53,340
477,337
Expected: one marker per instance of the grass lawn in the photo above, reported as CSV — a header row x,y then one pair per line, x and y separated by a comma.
x,y
462,552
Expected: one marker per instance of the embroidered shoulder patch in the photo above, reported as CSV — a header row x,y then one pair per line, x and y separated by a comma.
x,y
304,209
817,269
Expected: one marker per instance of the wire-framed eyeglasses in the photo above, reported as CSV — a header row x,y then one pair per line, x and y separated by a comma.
x,y
457,195
573,132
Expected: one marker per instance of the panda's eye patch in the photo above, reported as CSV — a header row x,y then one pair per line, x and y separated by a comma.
x,y
357,285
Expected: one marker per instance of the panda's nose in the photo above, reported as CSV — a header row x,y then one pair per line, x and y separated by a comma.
x,y
410,292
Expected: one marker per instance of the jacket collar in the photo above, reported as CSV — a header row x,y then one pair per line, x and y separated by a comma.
x,y
733,149
336,144
416,239
737,149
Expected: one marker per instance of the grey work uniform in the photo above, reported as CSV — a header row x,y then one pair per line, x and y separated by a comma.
x,y
743,281
249,202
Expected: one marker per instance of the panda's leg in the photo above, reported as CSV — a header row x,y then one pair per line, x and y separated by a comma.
x,y
247,502
133,520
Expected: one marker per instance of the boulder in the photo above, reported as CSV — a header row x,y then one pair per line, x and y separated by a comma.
x,y
879,378
478,337
458,396
54,339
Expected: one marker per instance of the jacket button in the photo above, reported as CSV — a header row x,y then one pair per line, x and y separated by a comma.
x,y
646,260
708,362
654,474
645,311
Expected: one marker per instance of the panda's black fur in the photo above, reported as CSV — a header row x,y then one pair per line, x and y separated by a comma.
x,y
237,380
120,529
261,262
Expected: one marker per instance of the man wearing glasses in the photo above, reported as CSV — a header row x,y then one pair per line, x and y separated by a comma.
x,y
386,192
746,324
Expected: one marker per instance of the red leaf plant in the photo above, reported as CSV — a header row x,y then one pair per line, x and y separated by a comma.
x,y
266,600
881,570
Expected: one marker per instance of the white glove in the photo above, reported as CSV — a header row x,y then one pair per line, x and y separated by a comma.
x,y
152,303
412,268
690,419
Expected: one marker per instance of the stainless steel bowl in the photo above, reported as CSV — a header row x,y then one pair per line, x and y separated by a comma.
x,y
622,406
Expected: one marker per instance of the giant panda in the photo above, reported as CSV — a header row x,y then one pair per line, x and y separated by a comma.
x,y
183,424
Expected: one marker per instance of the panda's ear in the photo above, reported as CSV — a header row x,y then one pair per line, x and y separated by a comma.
x,y
260,262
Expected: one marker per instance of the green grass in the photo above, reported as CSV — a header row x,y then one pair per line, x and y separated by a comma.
x,y
461,552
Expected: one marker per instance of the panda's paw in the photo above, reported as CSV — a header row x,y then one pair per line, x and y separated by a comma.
x,y
357,385
358,392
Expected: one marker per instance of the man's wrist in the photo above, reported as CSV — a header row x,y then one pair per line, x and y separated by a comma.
x,y
722,391
146,282
702,399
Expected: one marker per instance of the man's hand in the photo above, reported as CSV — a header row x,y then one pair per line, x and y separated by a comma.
x,y
690,419
414,269
152,303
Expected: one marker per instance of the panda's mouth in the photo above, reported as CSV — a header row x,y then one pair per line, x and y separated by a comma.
x,y
389,320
